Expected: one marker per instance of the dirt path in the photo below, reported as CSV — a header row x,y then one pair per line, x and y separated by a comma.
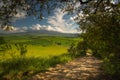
x,y
86,68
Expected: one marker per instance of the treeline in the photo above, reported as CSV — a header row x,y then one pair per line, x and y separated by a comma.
x,y
101,34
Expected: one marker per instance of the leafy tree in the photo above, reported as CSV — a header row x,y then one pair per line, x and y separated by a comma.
x,y
9,8
101,31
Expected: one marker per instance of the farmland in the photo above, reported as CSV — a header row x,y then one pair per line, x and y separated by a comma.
x,y
40,52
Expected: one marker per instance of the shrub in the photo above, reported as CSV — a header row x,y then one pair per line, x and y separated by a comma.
x,y
78,50
111,66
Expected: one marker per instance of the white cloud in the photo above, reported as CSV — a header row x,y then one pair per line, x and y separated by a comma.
x,y
25,28
20,15
49,28
57,20
59,29
36,27
17,29
45,27
61,24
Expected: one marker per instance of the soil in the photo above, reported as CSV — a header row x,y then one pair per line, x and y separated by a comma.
x,y
84,68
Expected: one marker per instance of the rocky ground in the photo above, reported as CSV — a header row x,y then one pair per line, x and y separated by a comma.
x,y
85,68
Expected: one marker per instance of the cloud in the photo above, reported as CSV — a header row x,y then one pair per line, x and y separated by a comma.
x,y
57,20
49,28
45,27
62,24
36,27
20,29
20,15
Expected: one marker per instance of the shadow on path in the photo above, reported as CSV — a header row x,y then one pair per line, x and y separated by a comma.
x,y
86,68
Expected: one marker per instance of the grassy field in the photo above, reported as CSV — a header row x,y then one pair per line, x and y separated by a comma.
x,y
40,46
41,53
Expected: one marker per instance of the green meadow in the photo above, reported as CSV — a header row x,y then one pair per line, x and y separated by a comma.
x,y
26,55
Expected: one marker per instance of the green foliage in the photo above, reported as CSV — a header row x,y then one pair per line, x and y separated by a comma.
x,y
72,50
78,50
2,40
102,31
7,48
22,67
111,65
41,46
22,48
101,34
41,40
4,46
28,55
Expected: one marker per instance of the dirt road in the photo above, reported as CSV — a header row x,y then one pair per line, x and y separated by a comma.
x,y
85,68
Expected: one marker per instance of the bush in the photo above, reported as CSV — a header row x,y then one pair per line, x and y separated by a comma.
x,y
111,66
2,40
78,50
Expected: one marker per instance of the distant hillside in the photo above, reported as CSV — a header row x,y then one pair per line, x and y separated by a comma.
x,y
40,32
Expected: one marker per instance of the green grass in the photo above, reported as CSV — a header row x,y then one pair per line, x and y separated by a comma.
x,y
40,40
35,51
21,67
42,53
39,46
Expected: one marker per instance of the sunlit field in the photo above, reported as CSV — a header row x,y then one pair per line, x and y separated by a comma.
x,y
38,46
41,52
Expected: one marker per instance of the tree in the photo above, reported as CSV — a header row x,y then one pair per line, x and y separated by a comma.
x,y
104,26
9,8
101,29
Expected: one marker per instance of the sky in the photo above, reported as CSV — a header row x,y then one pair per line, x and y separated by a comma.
x,y
56,21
